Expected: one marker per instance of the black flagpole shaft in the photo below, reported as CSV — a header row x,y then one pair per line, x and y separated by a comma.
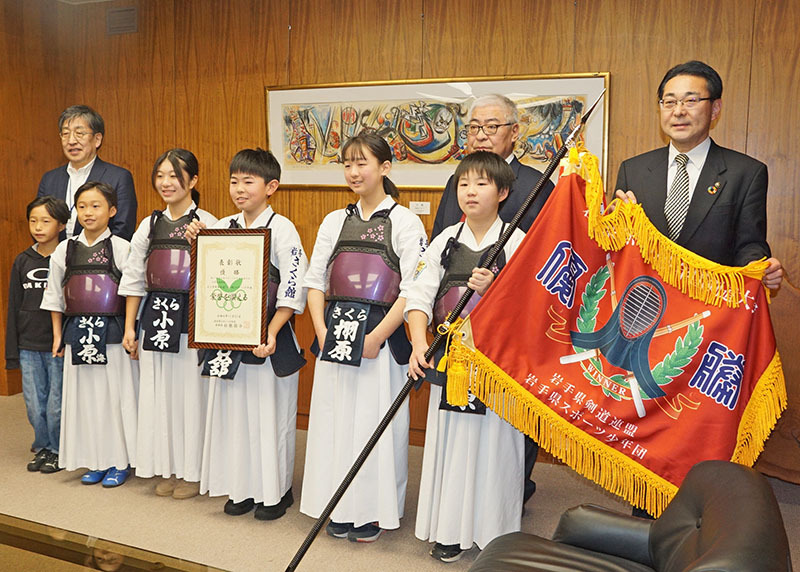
x,y
438,340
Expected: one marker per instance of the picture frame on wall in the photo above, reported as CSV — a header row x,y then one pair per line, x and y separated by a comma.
x,y
424,123
228,297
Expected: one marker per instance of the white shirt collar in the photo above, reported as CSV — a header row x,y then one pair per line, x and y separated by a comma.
x,y
510,158
697,156
261,219
82,236
85,169
386,203
489,238
186,212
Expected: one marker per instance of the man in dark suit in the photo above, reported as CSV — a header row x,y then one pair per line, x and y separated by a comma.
x,y
81,130
492,126
720,209
706,198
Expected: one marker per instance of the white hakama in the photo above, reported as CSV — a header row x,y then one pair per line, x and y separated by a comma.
x,y
172,395
346,405
471,486
172,414
98,419
250,432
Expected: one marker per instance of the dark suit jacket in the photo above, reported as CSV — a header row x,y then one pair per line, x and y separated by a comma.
x,y
449,213
54,183
728,226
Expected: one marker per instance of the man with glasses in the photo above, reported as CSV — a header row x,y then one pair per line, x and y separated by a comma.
x,y
81,130
706,198
492,126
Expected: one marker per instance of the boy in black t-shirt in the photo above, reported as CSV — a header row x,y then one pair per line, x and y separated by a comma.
x,y
29,332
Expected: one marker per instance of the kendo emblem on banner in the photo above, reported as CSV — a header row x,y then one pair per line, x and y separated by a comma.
x,y
625,338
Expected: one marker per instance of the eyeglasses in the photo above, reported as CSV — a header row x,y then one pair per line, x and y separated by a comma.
x,y
687,102
78,133
489,129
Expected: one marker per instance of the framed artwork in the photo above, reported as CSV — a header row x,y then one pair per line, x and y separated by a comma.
x,y
228,296
424,123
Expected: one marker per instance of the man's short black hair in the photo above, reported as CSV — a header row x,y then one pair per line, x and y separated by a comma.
x,y
56,208
257,162
697,69
488,164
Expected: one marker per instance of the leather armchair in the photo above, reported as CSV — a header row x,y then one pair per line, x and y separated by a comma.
x,y
724,518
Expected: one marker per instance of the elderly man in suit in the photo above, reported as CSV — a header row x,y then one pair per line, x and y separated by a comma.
x,y
706,198
81,130
492,126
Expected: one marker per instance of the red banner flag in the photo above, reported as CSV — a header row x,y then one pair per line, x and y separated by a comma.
x,y
596,312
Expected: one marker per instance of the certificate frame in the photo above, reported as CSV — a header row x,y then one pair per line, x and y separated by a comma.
x,y
228,300
423,120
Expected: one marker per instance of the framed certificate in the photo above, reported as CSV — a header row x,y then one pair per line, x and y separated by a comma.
x,y
228,297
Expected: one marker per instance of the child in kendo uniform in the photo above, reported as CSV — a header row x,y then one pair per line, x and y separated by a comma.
x,y
99,396
362,265
172,394
249,444
471,486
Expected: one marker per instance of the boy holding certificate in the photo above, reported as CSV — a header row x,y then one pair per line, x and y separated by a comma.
x,y
248,450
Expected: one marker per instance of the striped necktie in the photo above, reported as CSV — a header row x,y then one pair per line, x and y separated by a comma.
x,y
678,198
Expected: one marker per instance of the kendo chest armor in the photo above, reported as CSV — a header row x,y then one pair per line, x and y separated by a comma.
x,y
274,274
363,266
168,256
91,280
459,260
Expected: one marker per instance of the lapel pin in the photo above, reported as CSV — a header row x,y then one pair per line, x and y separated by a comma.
x,y
713,190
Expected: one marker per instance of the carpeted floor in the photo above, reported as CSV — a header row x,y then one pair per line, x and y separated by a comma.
x,y
199,531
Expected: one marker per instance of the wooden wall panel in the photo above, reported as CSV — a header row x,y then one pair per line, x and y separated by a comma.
x,y
639,41
227,53
335,41
476,38
29,142
128,79
772,138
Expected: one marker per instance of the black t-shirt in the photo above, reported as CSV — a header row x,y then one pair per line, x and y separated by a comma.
x,y
27,327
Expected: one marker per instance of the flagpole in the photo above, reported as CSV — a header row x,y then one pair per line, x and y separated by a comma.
x,y
438,340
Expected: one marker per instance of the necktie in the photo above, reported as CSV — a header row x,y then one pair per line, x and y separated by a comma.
x,y
678,198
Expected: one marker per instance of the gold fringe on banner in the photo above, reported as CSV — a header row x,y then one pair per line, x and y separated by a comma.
x,y
589,457
695,276
761,414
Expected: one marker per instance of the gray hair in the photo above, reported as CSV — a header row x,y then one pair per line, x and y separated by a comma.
x,y
96,123
509,106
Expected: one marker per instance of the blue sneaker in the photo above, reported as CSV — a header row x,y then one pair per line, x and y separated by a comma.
x,y
93,477
116,477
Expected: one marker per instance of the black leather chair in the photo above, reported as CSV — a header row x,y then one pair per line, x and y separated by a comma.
x,y
724,518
